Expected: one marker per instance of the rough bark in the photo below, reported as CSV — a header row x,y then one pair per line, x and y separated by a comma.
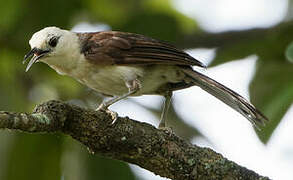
x,y
159,151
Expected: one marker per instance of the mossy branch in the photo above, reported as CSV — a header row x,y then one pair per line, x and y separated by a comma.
x,y
159,151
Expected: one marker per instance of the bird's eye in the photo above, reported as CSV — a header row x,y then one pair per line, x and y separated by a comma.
x,y
53,41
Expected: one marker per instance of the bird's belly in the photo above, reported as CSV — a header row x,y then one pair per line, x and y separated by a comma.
x,y
111,80
157,78
107,80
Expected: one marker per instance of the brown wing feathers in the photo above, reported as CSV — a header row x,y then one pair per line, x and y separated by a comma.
x,y
128,49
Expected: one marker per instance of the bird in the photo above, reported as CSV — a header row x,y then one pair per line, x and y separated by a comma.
x,y
122,64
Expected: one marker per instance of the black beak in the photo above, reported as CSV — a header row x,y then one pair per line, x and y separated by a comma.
x,y
37,54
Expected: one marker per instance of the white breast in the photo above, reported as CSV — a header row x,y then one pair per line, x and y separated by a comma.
x,y
111,80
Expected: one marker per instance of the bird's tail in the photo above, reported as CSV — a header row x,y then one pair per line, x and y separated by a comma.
x,y
229,97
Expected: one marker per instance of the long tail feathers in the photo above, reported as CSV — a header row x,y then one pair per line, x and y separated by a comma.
x,y
229,97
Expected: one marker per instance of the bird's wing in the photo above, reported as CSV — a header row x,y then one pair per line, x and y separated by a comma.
x,y
120,48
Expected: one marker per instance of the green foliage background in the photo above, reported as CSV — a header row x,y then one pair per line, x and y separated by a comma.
x,y
26,156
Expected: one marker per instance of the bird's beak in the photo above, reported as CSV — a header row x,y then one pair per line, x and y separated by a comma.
x,y
37,54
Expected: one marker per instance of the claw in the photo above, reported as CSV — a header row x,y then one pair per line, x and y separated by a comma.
x,y
102,107
113,114
167,129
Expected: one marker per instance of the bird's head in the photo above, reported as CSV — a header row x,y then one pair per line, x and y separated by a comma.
x,y
49,44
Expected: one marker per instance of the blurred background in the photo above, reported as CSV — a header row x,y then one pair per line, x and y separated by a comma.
x,y
246,43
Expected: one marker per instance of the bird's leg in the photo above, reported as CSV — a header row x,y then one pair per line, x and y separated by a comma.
x,y
167,103
133,87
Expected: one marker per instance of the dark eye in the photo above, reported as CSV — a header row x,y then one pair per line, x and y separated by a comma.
x,y
53,41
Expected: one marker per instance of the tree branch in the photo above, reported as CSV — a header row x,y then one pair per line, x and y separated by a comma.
x,y
159,151
232,38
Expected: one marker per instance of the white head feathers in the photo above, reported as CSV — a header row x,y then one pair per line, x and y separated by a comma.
x,y
55,46
40,38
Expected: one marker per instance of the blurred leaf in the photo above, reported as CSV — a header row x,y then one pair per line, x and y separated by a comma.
x,y
272,91
186,24
289,52
268,44
34,157
234,52
11,89
114,12
155,18
73,161
158,19
156,25
78,163
34,15
50,13
9,11
103,168
6,139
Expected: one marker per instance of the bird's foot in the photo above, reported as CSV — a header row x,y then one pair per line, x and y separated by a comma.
x,y
102,107
114,115
166,129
